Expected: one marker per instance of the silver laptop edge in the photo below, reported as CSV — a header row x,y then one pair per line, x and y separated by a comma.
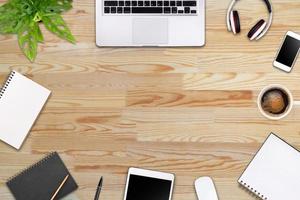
x,y
121,25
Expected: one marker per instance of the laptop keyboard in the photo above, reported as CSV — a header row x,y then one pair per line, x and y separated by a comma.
x,y
185,7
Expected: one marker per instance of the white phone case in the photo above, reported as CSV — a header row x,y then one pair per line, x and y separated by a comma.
x,y
279,65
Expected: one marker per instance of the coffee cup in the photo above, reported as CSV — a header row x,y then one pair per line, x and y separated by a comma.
x,y
275,102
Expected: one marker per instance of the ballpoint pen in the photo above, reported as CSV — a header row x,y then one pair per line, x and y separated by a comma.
x,y
99,187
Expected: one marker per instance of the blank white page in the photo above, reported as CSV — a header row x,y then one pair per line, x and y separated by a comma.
x,y
274,173
20,105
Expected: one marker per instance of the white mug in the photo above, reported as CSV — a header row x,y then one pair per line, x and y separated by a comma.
x,y
292,103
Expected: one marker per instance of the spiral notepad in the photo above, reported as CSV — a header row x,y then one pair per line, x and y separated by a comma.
x,y
21,101
274,172
41,180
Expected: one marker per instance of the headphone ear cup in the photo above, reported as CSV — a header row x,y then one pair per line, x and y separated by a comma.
x,y
257,29
235,22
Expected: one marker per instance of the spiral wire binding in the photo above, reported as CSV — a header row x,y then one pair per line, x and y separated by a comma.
x,y
254,191
31,167
6,84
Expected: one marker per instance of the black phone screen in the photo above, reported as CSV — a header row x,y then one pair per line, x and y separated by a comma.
x,y
288,51
146,188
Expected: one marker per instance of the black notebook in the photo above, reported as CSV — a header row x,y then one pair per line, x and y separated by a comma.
x,y
41,180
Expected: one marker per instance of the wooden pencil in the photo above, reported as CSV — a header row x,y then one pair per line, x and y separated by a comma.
x,y
60,186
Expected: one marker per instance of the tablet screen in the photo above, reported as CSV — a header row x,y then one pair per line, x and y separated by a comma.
x,y
146,188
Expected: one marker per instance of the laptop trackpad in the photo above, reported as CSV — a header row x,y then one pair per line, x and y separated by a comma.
x,y
150,31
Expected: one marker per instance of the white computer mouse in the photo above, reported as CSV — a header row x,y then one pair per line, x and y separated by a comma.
x,y
205,189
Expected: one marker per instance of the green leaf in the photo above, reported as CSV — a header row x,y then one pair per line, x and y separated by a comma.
x,y
28,40
2,8
37,18
56,24
38,33
25,7
9,18
7,25
56,6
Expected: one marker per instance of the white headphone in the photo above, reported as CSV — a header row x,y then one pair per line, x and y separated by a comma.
x,y
258,31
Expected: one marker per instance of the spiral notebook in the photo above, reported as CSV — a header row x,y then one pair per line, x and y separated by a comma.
x,y
21,101
41,180
274,172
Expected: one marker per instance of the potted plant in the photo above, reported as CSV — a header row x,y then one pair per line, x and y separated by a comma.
x,y
23,18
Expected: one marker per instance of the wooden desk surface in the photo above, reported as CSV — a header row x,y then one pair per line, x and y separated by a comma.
x,y
189,111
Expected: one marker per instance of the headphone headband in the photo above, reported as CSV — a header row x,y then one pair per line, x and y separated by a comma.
x,y
269,7
267,2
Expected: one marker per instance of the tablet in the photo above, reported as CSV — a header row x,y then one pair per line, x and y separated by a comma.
x,y
148,185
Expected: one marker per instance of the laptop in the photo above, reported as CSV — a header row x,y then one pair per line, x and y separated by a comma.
x,y
150,23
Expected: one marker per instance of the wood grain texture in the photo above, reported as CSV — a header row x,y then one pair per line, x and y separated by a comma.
x,y
189,111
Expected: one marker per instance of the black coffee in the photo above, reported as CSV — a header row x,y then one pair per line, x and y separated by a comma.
x,y
275,101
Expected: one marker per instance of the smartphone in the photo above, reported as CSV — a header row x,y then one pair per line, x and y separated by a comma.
x,y
288,52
